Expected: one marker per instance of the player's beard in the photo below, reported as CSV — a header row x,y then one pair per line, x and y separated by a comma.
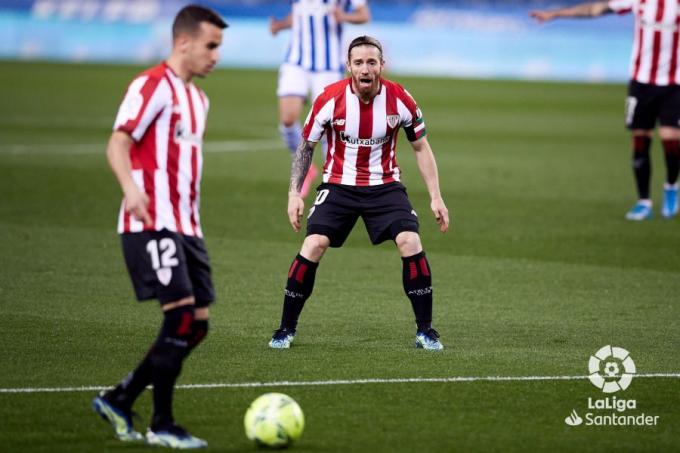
x,y
365,90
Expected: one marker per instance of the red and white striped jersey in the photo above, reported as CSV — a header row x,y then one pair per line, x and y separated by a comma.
x,y
362,138
166,120
654,59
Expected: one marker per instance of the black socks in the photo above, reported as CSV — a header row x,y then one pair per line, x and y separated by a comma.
x,y
417,280
671,150
642,167
298,289
180,334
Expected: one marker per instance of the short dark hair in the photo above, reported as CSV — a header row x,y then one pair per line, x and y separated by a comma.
x,y
189,18
364,41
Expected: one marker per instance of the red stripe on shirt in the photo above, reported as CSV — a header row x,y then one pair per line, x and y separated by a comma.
x,y
339,112
364,152
638,50
674,54
173,163
149,165
147,92
390,109
194,162
656,46
126,218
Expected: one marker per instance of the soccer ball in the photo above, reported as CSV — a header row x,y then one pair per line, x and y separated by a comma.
x,y
274,420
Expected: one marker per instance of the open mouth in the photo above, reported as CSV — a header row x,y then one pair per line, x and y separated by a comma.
x,y
363,81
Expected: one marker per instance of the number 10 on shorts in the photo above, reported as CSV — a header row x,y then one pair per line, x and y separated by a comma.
x,y
320,198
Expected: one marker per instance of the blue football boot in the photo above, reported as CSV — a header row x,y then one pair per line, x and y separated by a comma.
x,y
641,211
428,339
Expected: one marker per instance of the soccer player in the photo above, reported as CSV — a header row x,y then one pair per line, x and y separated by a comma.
x,y
361,116
155,152
653,92
313,61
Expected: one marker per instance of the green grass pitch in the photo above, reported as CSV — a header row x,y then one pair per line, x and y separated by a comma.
x,y
539,271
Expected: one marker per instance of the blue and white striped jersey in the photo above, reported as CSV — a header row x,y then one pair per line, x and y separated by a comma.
x,y
316,38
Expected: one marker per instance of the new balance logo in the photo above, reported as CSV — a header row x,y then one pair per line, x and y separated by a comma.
x,y
339,122
293,295
420,292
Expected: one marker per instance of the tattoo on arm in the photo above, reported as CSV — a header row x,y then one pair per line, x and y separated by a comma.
x,y
301,163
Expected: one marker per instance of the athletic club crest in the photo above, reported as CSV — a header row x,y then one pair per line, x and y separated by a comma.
x,y
164,275
392,120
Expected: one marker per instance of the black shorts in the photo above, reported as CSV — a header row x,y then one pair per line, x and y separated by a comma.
x,y
648,103
385,209
168,266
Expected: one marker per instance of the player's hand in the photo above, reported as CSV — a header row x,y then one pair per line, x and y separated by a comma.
x,y
136,203
296,207
441,214
339,14
274,26
542,16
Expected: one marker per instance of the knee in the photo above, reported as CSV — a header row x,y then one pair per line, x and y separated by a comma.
x,y
288,120
669,133
315,246
408,243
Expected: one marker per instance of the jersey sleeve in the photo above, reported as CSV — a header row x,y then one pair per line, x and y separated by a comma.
x,y
411,117
621,6
145,98
318,119
354,4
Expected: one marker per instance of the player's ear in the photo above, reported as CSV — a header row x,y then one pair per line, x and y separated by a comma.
x,y
182,41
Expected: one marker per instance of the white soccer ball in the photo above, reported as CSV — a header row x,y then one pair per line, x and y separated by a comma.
x,y
274,420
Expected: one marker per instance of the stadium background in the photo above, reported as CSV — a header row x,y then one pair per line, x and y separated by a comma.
x,y
454,38
539,271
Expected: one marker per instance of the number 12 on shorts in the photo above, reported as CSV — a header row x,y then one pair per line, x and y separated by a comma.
x,y
163,258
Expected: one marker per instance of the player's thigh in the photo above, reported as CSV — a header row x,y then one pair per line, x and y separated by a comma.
x,y
669,116
157,265
389,213
200,272
320,80
334,213
642,106
293,81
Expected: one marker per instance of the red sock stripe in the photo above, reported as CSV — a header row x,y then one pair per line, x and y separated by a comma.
x,y
413,270
197,337
671,146
423,267
292,268
641,144
300,275
185,325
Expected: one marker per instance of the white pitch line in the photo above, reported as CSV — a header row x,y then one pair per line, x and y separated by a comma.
x,y
228,146
218,385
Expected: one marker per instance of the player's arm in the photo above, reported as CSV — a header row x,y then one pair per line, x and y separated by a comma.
x,y
118,155
276,25
591,9
428,170
301,163
360,15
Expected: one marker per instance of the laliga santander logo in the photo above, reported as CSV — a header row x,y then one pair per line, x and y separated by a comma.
x,y
611,369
